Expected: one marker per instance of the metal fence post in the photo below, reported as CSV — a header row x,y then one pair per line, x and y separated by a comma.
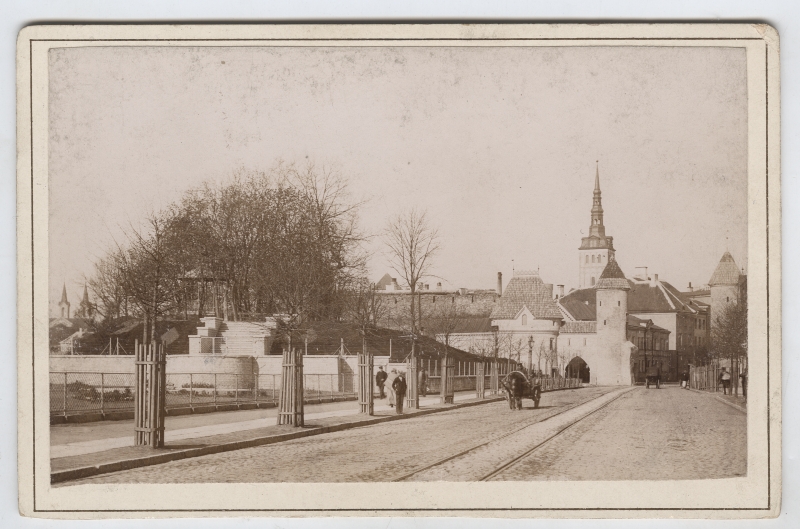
x,y
102,392
236,397
65,394
215,389
191,390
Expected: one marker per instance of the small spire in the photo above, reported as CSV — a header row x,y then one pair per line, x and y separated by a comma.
x,y
64,294
597,177
85,294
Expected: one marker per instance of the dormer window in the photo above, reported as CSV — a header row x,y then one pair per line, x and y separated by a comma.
x,y
524,320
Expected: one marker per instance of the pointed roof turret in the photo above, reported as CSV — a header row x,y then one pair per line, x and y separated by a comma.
x,y
613,278
64,294
597,231
597,178
85,295
726,273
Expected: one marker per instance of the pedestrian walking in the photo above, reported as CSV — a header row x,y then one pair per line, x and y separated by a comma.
x,y
725,377
685,379
423,382
389,387
399,386
743,377
380,380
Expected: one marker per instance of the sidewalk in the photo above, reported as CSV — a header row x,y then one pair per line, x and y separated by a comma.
x,y
738,402
192,436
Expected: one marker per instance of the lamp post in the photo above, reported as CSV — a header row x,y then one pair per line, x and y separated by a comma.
x,y
530,355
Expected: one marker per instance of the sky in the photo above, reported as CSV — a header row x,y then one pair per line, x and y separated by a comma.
x,y
499,145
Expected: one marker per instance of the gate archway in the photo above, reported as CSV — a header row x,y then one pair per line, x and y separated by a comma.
x,y
578,368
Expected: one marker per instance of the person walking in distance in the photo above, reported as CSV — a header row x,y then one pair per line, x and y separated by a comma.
x,y
380,380
423,382
399,386
390,387
685,379
743,377
725,377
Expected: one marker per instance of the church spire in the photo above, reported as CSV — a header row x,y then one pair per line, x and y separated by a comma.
x,y
85,294
597,229
64,294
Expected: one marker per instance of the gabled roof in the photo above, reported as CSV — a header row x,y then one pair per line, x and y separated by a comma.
x,y
526,290
726,273
633,321
385,281
580,304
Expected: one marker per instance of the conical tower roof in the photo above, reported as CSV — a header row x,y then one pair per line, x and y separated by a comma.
x,y
64,294
726,273
613,278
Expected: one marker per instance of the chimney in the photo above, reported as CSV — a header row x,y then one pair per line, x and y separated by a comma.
x,y
690,287
499,283
654,280
560,291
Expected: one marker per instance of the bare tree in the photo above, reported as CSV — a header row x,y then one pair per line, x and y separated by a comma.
x,y
412,244
445,320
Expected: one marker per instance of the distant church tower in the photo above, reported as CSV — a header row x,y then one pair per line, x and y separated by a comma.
x,y
63,305
596,250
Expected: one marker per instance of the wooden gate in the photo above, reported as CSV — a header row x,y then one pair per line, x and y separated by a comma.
x,y
412,383
448,373
150,399
366,400
494,379
290,407
480,380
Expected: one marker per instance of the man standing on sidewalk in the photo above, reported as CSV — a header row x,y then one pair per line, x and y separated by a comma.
x,y
725,377
380,380
399,386
423,382
685,379
389,384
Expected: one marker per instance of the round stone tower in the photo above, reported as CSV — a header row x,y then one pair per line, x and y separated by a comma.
x,y
612,321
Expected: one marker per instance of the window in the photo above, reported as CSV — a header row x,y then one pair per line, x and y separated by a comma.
x,y
593,258
587,258
524,320
619,303
569,342
552,340
604,322
584,341
601,303
592,281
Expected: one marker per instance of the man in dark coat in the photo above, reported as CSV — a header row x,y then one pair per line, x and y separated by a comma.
x,y
380,379
399,386
423,382
514,383
685,379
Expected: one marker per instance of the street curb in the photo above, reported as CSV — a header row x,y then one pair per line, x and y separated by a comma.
x,y
731,404
158,459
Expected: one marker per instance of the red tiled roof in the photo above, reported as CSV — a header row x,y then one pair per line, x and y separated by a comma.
x,y
526,291
470,325
612,277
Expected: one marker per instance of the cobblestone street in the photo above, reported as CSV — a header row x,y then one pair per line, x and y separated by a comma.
x,y
673,433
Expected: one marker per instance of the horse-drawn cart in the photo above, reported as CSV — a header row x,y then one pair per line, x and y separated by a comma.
x,y
517,386
653,377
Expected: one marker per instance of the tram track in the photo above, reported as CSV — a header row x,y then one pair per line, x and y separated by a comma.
x,y
514,460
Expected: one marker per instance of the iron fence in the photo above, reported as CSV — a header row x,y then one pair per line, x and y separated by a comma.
x,y
707,378
75,393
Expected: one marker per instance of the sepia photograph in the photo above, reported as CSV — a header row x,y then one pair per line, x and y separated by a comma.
x,y
452,256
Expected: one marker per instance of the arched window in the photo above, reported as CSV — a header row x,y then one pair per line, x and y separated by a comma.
x,y
593,258
587,258
592,281
524,320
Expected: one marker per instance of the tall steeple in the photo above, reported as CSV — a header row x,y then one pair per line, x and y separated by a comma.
x,y
63,305
597,249
597,229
